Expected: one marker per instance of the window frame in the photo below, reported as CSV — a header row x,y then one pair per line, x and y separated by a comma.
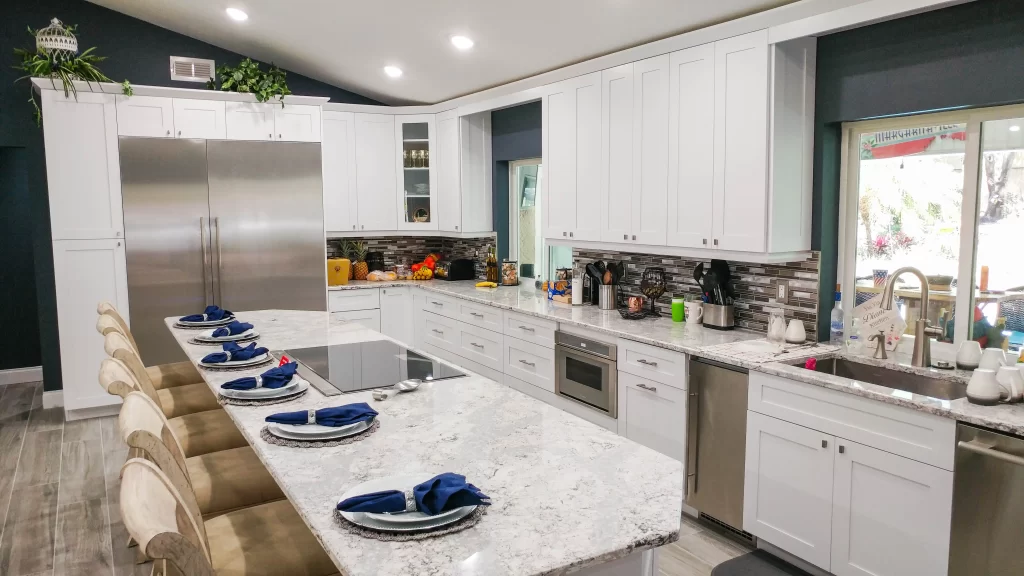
x,y
849,187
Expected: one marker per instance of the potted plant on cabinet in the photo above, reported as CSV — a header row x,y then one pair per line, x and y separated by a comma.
x,y
247,78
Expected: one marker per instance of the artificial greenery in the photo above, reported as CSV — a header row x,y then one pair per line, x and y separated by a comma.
x,y
248,78
40,64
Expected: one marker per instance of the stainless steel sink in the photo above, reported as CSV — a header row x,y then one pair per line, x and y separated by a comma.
x,y
914,383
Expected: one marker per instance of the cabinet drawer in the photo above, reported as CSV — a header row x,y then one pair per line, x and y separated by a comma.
x,y
530,362
481,346
658,364
465,363
562,403
439,331
531,329
367,318
916,435
360,299
482,316
653,414
432,302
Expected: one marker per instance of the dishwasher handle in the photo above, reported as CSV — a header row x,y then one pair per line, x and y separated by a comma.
x,y
692,438
983,449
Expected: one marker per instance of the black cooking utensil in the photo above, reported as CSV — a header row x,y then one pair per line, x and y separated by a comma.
x,y
698,276
595,272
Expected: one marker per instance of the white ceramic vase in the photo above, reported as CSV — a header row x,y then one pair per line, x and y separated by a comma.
x,y
983,388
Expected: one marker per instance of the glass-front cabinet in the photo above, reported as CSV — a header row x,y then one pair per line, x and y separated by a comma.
x,y
417,178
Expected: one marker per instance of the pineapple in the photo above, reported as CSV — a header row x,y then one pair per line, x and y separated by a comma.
x,y
358,256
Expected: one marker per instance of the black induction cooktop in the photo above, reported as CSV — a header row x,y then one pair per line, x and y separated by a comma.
x,y
342,368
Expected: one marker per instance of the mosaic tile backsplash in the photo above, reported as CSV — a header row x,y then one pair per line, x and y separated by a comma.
x,y
409,250
755,285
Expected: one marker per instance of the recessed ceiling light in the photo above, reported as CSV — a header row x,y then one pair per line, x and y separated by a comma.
x,y
1014,128
393,71
462,42
237,14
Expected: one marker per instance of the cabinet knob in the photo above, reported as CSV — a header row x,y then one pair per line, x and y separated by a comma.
x,y
704,241
279,136
625,236
570,234
824,443
716,241
634,236
179,132
353,226
168,132
363,227
456,227
118,243
118,234
271,136
563,234
842,449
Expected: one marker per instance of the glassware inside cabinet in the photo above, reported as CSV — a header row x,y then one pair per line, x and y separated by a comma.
x,y
416,171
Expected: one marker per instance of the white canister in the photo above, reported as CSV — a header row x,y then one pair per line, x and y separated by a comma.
x,y
577,291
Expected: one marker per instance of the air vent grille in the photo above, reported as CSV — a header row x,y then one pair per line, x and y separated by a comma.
x,y
191,69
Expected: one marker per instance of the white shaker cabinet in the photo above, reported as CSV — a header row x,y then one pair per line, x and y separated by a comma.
x,y
891,515
616,153
83,170
691,165
650,150
86,272
416,172
396,314
787,489
249,121
338,149
145,116
204,119
653,414
296,123
449,183
366,318
376,184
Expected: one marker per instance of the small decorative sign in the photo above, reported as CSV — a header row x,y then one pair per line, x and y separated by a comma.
x,y
874,318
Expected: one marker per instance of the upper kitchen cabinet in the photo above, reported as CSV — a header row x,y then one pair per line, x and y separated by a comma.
x,y
475,173
339,149
83,171
417,199
375,155
571,148
616,153
145,116
202,119
449,182
249,121
650,150
297,123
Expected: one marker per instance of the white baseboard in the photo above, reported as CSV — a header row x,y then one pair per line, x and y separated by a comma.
x,y
53,398
19,375
97,412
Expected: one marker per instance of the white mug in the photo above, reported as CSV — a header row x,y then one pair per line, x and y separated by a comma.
x,y
1010,383
984,388
694,312
968,357
992,359
796,334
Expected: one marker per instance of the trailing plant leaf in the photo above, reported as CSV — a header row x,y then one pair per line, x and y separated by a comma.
x,y
247,78
126,88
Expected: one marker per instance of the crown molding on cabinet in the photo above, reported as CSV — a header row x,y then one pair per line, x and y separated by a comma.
x,y
41,84
697,253
421,233
871,12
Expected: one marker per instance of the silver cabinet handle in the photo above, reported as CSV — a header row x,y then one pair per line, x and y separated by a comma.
x,y
279,136
179,132
168,132
692,437
648,363
648,388
363,227
570,234
986,450
527,363
436,303
207,293
118,234
220,263
527,328
476,314
563,234
271,136
436,331
456,227
474,344
625,236
353,226
634,236
119,243
842,449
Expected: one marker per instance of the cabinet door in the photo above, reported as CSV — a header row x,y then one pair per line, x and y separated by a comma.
x,y
559,150
417,179
86,272
891,515
741,142
202,119
249,121
83,170
650,150
145,116
339,149
375,171
787,491
653,414
691,162
446,159
617,153
396,314
588,158
475,173
366,318
294,123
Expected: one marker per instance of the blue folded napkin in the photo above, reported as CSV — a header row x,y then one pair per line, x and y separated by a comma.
x,y
441,493
234,353
273,378
232,329
336,417
211,314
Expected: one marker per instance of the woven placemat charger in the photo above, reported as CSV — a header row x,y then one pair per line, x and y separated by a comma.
x,y
467,522
225,401
268,437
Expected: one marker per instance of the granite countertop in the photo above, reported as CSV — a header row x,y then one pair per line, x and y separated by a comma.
x,y
566,493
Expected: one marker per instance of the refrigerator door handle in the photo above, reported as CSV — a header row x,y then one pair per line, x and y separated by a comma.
x,y
692,437
205,242
220,262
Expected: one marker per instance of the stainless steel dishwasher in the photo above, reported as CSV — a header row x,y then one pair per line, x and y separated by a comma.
x,y
716,440
988,504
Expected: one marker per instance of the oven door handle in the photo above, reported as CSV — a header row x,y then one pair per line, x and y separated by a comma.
x,y
692,437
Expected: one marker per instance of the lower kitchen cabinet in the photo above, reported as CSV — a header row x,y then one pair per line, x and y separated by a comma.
x,y
368,318
396,314
653,414
890,515
851,509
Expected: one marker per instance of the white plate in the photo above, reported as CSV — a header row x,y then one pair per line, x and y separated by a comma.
x,y
271,392
254,361
406,522
210,323
289,388
315,429
207,336
284,431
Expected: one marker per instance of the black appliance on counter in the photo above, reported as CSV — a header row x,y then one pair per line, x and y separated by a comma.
x,y
375,261
461,269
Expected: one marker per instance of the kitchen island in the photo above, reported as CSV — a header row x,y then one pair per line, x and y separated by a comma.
x,y
567,494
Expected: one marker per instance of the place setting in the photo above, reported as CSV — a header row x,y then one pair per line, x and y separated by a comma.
x,y
274,386
235,331
235,357
408,507
321,428
212,317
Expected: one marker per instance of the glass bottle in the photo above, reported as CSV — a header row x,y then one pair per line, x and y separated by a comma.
x,y
426,158
836,320
492,265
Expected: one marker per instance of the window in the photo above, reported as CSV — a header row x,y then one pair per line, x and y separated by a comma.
x,y
943,193
537,260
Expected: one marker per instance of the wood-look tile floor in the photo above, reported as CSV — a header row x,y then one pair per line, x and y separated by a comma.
x,y
59,513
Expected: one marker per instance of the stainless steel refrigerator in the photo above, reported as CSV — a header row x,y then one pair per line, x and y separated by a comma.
x,y
236,224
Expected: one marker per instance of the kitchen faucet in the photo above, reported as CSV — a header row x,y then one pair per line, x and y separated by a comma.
x,y
922,331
